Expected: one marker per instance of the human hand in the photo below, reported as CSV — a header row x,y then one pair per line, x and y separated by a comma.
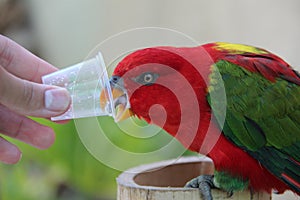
x,y
21,95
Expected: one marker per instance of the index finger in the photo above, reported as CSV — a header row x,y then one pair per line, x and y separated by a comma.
x,y
22,63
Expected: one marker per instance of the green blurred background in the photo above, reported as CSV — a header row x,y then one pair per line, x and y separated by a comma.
x,y
63,32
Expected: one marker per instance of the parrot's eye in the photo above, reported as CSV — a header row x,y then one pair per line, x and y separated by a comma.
x,y
147,78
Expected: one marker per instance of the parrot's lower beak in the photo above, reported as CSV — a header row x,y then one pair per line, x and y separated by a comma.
x,y
120,103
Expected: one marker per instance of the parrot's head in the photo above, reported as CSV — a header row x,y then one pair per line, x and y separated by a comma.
x,y
159,85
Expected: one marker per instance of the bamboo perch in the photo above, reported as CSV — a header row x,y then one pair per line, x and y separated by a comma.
x,y
165,180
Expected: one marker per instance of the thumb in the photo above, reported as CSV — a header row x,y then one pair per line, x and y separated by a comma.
x,y
33,99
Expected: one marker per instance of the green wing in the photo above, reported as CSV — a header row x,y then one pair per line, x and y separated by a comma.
x,y
262,117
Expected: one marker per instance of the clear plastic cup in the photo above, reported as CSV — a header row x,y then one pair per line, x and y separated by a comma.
x,y
84,81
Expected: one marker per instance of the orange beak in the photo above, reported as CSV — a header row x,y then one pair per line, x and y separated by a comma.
x,y
120,103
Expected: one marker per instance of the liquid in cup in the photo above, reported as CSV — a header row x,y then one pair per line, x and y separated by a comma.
x,y
84,81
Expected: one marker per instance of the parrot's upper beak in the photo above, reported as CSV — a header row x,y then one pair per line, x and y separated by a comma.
x,y
121,107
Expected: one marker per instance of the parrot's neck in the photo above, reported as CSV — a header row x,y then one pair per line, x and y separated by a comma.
x,y
196,134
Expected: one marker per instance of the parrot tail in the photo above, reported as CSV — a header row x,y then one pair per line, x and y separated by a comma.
x,y
291,175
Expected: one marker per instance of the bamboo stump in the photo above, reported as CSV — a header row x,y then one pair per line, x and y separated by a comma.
x,y
165,180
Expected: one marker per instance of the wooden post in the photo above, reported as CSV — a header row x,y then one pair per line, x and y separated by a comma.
x,y
165,180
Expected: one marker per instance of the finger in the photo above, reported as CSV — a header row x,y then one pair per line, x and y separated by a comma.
x,y
9,153
30,98
25,129
22,63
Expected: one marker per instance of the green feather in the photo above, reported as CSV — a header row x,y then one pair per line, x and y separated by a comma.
x,y
227,182
273,106
262,117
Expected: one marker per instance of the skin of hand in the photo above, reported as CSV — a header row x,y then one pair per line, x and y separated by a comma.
x,y
22,95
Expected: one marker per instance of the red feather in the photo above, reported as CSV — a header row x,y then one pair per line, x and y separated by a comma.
x,y
267,64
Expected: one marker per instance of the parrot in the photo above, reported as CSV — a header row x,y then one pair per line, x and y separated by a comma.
x,y
237,104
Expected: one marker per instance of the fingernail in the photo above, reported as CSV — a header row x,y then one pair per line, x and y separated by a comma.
x,y
57,99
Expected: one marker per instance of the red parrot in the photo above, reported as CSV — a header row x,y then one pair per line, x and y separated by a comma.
x,y
237,104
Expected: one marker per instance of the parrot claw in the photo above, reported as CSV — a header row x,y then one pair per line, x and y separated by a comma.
x,y
251,194
204,183
229,194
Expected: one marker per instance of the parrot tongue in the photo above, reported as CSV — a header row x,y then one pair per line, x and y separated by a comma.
x,y
120,108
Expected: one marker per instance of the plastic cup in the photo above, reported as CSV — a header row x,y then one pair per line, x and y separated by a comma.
x,y
84,81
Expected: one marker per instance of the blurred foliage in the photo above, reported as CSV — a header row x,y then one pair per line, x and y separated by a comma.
x,y
66,170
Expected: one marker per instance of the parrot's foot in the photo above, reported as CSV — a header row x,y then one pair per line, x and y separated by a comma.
x,y
251,193
204,183
221,180
229,193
